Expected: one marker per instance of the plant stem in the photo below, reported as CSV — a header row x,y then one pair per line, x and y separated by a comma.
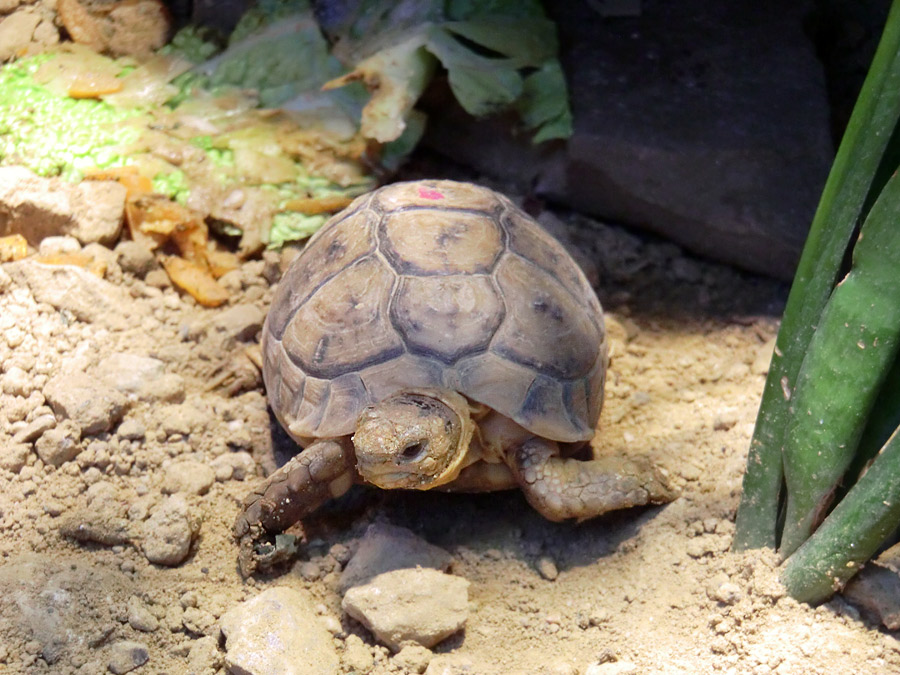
x,y
851,534
841,208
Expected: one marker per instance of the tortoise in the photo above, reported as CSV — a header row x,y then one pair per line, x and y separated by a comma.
x,y
433,335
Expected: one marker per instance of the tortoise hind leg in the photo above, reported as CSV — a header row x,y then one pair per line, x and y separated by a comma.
x,y
323,471
561,488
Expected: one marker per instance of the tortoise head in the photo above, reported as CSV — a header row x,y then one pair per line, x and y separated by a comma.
x,y
414,439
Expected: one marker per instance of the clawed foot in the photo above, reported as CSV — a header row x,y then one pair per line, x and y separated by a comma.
x,y
321,472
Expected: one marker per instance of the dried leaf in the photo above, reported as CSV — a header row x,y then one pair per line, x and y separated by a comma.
x,y
195,280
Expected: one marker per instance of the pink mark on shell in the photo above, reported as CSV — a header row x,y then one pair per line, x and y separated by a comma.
x,y
428,193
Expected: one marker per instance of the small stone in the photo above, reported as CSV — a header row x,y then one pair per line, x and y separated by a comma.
x,y
139,617
204,656
35,429
188,476
135,258
182,419
357,656
241,322
234,465
157,278
14,456
15,33
169,532
277,631
15,382
60,444
384,548
198,621
82,399
58,244
130,374
547,568
131,430
126,655
414,658
727,593
421,605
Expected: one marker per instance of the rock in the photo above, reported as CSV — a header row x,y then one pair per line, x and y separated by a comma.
x,y
135,258
130,373
15,35
15,382
72,289
384,548
140,617
727,593
35,428
652,148
57,245
60,444
169,531
413,658
93,406
36,207
13,456
131,430
204,656
422,606
188,476
100,523
239,323
182,419
547,568
233,465
126,655
277,631
357,656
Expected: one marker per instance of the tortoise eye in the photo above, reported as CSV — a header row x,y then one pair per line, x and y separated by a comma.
x,y
413,451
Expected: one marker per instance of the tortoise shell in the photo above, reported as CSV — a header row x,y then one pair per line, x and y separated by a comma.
x,y
435,284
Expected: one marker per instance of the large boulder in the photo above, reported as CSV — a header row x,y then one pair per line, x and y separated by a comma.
x,y
705,123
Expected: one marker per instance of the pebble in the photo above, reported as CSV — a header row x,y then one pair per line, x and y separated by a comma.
x,y
413,658
384,548
14,456
727,593
357,656
127,655
58,244
60,444
547,568
35,428
131,430
277,632
130,373
421,605
182,419
233,465
241,322
135,258
93,406
198,621
15,382
204,655
169,532
140,617
188,476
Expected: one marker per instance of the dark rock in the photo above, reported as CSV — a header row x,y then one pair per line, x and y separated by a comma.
x,y
707,124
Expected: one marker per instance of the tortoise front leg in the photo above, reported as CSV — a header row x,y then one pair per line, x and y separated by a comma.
x,y
561,488
323,471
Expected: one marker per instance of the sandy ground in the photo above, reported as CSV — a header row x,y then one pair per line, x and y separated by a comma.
x,y
653,590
